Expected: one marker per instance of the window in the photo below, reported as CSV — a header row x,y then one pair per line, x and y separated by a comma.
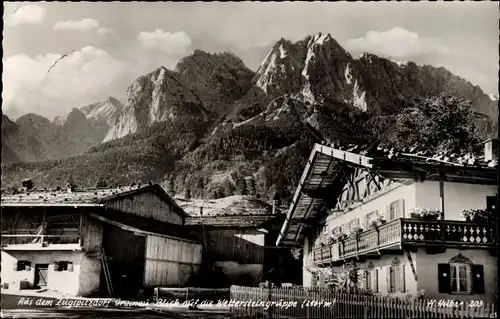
x,y
375,280
23,265
460,278
395,210
371,280
396,278
368,218
392,279
354,223
368,279
64,266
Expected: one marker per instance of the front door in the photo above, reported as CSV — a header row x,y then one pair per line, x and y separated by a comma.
x,y
41,272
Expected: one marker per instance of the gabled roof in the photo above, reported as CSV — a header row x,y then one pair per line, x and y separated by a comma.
x,y
83,197
324,170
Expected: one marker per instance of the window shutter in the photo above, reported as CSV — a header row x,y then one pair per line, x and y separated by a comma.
x,y
388,278
402,285
362,276
388,213
477,279
401,208
375,280
444,278
355,223
367,221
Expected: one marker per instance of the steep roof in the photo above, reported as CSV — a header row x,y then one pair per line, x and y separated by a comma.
x,y
326,163
82,197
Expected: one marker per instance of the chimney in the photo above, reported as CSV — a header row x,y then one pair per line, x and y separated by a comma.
x,y
490,149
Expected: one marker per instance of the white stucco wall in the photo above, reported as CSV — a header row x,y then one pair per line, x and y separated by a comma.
x,y
306,261
457,196
378,202
427,270
64,281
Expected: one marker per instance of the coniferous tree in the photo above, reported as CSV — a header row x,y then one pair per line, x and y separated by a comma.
x,y
187,194
244,188
251,187
171,187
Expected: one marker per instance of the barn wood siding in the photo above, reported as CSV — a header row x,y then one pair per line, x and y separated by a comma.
x,y
170,262
245,246
92,234
147,205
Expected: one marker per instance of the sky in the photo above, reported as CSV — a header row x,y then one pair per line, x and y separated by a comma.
x,y
109,45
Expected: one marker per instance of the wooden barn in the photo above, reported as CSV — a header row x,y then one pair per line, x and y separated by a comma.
x,y
81,241
239,241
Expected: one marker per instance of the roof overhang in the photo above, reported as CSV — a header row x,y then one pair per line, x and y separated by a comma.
x,y
136,230
325,168
319,177
75,205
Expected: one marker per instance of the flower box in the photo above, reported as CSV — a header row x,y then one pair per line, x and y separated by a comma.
x,y
425,213
355,231
376,221
478,215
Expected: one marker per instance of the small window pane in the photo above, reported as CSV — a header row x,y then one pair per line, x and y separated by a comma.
x,y
463,284
462,272
453,272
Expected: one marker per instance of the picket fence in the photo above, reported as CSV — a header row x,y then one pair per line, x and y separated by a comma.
x,y
295,303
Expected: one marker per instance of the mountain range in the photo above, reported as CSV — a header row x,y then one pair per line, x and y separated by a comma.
x,y
212,126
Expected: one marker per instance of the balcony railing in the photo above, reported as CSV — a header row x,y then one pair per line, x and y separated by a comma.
x,y
46,241
401,232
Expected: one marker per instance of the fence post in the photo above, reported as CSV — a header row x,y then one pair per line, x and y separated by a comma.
x,y
156,295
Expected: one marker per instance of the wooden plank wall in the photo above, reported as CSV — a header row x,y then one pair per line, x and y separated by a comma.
x,y
245,246
92,234
147,205
170,262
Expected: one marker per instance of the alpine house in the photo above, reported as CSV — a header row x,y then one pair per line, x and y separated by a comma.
x,y
404,222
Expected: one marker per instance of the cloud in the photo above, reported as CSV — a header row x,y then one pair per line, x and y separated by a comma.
x,y
397,42
26,14
170,43
105,31
81,25
83,77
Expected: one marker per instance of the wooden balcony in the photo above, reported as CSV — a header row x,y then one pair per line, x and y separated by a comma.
x,y
409,232
41,242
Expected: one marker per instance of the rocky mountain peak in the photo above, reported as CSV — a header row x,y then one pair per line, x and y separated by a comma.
x,y
158,96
